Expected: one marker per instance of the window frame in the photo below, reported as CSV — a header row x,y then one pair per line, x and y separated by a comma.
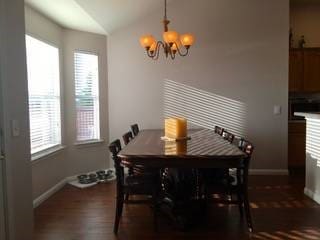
x,y
43,153
94,141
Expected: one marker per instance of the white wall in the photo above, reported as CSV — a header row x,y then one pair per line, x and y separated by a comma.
x,y
241,53
305,20
14,104
50,170
94,156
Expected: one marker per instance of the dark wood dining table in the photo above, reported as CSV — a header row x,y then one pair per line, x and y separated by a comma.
x,y
204,149
180,163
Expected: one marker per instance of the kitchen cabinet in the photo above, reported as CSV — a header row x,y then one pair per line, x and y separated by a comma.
x,y
304,70
297,144
311,73
295,70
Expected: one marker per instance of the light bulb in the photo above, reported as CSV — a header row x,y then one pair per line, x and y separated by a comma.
x,y
170,37
187,40
153,47
146,41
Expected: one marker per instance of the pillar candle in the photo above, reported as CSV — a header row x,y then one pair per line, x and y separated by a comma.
x,y
175,128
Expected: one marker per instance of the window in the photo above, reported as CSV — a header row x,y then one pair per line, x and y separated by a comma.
x,y
44,94
87,96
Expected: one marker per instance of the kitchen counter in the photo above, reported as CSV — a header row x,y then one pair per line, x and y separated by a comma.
x,y
314,115
312,187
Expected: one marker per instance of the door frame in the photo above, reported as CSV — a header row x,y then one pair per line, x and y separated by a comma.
x,y
4,226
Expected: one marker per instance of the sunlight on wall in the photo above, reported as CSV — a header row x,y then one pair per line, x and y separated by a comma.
x,y
203,109
313,139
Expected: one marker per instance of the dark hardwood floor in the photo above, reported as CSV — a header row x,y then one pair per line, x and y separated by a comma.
x,y
279,208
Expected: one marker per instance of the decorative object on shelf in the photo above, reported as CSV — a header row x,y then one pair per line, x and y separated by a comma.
x,y
171,44
302,42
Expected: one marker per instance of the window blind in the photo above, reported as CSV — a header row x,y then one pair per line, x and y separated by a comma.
x,y
44,94
87,96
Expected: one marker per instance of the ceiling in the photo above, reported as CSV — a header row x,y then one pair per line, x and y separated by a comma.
x,y
97,16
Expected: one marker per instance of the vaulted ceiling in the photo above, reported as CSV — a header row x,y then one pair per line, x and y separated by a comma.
x,y
98,16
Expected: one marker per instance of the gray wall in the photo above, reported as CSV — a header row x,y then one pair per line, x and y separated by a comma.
x,y
14,101
240,60
50,170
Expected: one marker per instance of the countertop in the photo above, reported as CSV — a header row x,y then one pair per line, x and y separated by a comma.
x,y
314,115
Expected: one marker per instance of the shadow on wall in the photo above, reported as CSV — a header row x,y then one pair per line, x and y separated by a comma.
x,y
203,109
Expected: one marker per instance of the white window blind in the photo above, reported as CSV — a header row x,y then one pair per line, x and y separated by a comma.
x,y
87,96
44,94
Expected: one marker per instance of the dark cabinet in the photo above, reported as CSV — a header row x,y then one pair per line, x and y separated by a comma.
x,y
304,70
295,70
296,144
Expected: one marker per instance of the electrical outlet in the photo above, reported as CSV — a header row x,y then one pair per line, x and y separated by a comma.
x,y
15,128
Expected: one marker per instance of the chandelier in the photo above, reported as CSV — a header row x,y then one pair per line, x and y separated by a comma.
x,y
171,44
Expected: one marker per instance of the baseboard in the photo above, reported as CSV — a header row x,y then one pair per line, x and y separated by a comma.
x,y
49,193
312,195
273,172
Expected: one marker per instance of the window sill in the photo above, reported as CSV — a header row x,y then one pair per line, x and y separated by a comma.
x,y
89,142
46,153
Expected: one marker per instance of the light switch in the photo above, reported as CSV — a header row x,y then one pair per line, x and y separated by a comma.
x,y
277,110
15,128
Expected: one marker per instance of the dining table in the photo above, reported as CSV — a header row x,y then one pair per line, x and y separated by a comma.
x,y
180,163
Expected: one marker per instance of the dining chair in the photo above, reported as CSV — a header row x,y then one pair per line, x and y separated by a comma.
x,y
239,187
127,137
218,130
135,129
144,184
228,136
242,180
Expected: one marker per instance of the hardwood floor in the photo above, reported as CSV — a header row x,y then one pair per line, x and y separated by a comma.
x,y
279,208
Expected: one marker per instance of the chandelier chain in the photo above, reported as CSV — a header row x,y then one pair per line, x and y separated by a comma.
x,y
165,9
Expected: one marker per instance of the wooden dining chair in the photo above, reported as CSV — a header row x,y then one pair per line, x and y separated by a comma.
x,y
239,187
145,184
228,136
242,180
218,130
135,129
127,137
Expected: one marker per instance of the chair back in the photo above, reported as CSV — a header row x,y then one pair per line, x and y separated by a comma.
x,y
228,136
218,130
135,129
115,148
247,147
127,137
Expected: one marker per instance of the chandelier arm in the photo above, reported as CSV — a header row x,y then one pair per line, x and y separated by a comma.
x,y
172,54
183,54
157,51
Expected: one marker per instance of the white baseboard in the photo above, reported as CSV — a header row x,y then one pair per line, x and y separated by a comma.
x,y
272,172
49,193
312,195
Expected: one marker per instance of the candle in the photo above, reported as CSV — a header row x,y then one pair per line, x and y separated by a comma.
x,y
175,128
181,128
